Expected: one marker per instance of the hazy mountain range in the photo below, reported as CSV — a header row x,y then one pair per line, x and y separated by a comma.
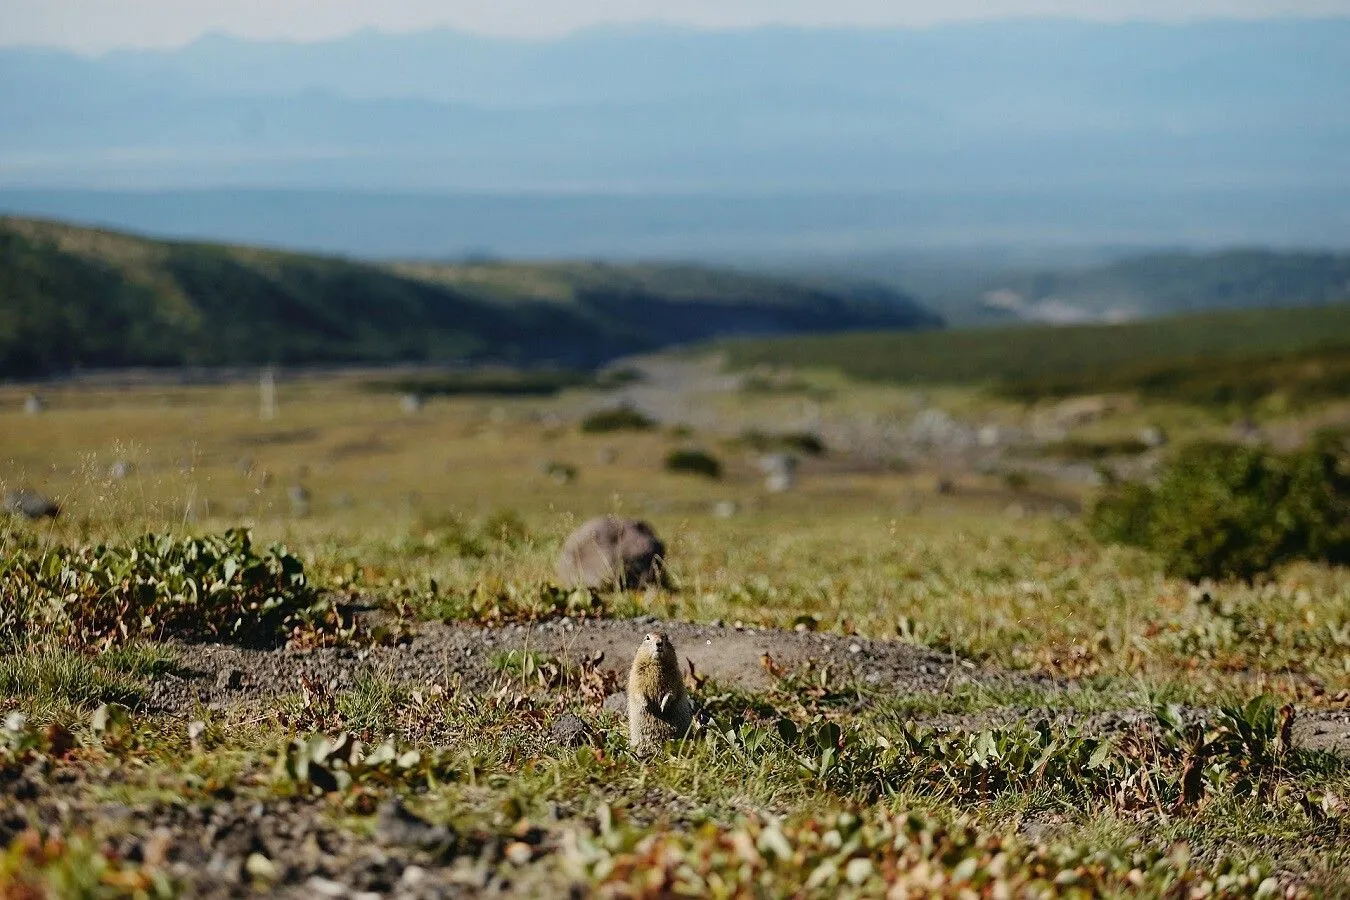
x,y
642,141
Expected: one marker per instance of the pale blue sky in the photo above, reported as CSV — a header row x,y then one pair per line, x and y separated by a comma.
x,y
97,25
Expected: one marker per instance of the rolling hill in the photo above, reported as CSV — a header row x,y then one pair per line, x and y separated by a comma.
x,y
83,298
1218,357
1171,283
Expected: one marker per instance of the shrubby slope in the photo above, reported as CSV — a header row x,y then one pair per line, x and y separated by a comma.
x,y
76,297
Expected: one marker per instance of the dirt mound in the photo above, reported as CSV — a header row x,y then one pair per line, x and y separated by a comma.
x,y
461,656
450,655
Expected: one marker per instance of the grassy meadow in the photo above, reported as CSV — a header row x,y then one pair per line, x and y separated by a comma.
x,y
1113,731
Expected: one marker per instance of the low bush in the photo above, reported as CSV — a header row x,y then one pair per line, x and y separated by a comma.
x,y
693,462
1094,450
803,442
620,418
158,586
1229,511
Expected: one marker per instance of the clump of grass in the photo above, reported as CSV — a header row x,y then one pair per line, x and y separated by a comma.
x,y
620,418
691,461
1094,450
372,704
487,382
49,680
804,442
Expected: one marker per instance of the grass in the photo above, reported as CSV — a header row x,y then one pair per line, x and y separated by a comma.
x,y
53,684
448,515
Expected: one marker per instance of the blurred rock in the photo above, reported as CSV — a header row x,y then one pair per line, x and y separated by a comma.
x,y
780,471
1153,437
724,509
936,429
1246,430
606,456
611,552
34,404
396,824
120,470
31,505
300,498
411,404
558,472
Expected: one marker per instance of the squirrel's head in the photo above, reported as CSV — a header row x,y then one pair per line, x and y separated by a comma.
x,y
658,645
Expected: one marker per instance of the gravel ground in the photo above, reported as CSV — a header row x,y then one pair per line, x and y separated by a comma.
x,y
451,655
215,675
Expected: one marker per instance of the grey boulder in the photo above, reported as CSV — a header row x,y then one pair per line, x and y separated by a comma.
x,y
611,552
31,505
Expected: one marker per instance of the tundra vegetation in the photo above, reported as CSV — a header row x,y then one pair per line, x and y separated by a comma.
x,y
972,691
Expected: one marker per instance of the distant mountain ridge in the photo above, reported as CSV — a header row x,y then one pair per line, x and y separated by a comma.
x,y
1000,105
76,297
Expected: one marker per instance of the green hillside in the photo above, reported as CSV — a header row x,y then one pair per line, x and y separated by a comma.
x,y
77,297
1172,283
1213,357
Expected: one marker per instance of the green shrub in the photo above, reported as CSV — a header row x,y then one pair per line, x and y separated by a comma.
x,y
1228,511
803,442
694,462
1095,450
620,418
213,587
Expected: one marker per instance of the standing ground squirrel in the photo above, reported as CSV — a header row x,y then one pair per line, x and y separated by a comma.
x,y
658,707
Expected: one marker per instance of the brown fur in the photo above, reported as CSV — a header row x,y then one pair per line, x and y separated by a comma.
x,y
659,708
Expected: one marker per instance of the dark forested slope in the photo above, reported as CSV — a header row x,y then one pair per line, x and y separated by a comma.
x,y
75,297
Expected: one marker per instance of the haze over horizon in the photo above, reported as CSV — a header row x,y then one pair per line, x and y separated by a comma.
x,y
94,26
688,140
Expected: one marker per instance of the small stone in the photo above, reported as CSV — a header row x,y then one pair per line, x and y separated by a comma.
x,y
855,648
413,876
229,680
30,504
519,853
396,824
195,730
260,866
571,731
300,499
322,887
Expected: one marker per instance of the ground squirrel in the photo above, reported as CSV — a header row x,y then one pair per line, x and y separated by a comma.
x,y
658,707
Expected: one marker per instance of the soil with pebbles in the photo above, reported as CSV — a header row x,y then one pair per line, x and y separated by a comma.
x,y
462,657
227,846
216,675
